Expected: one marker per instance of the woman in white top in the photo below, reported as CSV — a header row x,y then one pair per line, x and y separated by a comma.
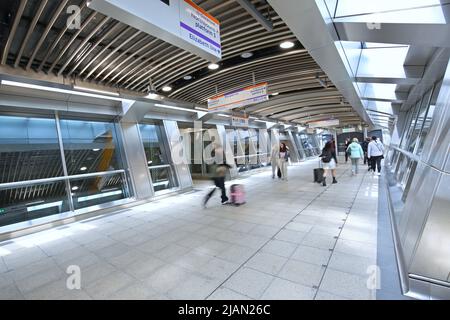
x,y
283,161
375,152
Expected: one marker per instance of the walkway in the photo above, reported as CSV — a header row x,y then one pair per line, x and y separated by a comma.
x,y
292,240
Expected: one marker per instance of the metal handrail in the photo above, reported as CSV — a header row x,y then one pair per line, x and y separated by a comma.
x,y
160,166
10,185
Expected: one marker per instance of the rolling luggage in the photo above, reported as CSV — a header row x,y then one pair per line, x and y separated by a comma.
x,y
279,173
318,173
237,194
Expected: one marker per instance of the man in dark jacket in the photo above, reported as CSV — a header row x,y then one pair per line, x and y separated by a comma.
x,y
219,171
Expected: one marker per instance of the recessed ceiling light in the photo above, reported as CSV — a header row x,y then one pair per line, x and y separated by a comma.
x,y
83,168
287,45
187,77
167,89
95,150
152,96
74,188
247,55
275,93
213,66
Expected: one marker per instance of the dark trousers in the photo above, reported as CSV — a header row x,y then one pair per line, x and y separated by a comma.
x,y
219,183
366,159
376,163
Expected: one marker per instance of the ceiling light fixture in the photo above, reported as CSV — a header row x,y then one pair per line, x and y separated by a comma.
x,y
153,96
74,188
202,109
59,90
96,91
187,78
286,45
167,88
247,55
83,168
95,150
275,93
213,66
174,108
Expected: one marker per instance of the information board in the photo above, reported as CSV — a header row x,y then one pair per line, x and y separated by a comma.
x,y
239,98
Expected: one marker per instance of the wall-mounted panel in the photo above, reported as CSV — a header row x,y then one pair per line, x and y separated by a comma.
x,y
415,213
432,258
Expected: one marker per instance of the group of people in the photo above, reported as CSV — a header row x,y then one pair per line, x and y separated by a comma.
x,y
371,150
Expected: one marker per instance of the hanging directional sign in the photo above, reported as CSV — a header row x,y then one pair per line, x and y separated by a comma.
x,y
178,22
239,98
325,123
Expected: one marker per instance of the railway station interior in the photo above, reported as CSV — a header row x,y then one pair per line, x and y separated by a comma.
x,y
114,113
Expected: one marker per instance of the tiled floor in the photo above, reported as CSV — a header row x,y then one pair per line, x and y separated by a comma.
x,y
292,240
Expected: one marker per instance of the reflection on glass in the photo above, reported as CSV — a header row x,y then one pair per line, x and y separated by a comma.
x,y
31,202
29,149
158,157
92,191
90,146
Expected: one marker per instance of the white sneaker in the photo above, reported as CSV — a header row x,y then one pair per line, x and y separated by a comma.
x,y
378,174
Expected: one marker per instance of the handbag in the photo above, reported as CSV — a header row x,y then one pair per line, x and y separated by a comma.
x,y
382,156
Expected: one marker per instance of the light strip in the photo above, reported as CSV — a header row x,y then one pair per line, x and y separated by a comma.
x,y
51,89
45,206
202,109
101,195
96,91
174,108
224,115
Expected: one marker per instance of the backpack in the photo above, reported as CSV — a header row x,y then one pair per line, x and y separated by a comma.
x,y
326,156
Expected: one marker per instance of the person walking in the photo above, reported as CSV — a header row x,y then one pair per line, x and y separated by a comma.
x,y
329,161
347,143
283,159
274,156
219,171
355,152
365,147
375,153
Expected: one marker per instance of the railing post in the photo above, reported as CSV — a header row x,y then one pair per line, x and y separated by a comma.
x,y
63,159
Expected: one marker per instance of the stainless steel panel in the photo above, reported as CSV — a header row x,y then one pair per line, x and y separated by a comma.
x,y
137,162
295,155
441,146
178,154
432,258
415,212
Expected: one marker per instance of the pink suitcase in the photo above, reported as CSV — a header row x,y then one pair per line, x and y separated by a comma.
x,y
237,194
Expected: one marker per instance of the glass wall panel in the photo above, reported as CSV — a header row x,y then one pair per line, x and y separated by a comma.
x,y
158,157
29,150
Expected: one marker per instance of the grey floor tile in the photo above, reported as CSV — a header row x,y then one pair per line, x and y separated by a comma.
x,y
193,288
281,289
227,294
312,255
266,262
302,273
351,263
319,241
105,287
135,291
291,236
280,248
323,295
347,285
249,282
166,278
11,292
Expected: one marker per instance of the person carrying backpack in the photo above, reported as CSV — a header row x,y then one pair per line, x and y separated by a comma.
x,y
355,152
375,153
329,161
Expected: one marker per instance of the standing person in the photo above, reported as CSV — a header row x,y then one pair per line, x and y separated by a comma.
x,y
283,160
375,153
219,171
274,156
329,160
356,152
365,147
347,143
